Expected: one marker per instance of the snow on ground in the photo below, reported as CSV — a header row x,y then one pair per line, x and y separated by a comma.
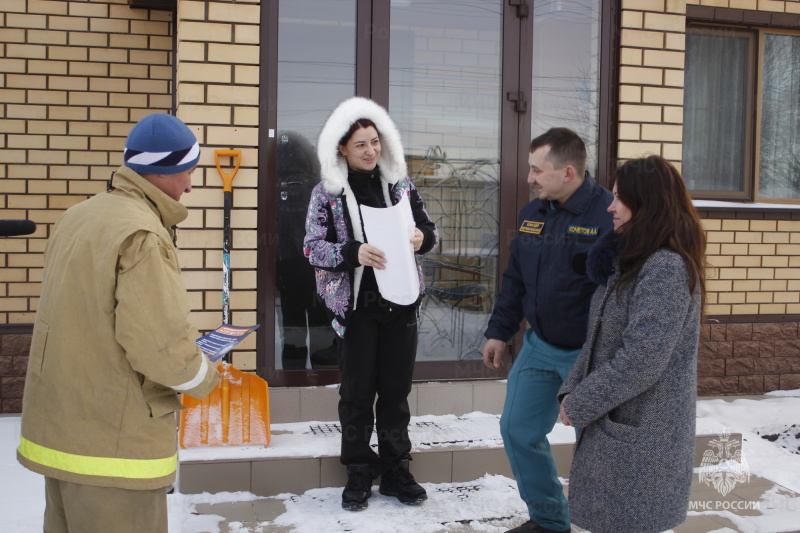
x,y
480,504
776,461
770,428
780,513
490,504
21,491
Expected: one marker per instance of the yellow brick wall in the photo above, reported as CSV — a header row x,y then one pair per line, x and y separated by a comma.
x,y
217,96
756,267
652,46
76,75
756,262
74,78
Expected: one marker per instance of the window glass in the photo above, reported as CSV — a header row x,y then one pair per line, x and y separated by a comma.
x,y
445,96
716,109
779,158
566,70
312,79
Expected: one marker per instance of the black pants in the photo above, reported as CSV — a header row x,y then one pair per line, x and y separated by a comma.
x,y
302,312
377,357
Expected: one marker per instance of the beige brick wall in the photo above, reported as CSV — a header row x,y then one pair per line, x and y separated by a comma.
x,y
756,266
217,96
651,71
74,78
651,78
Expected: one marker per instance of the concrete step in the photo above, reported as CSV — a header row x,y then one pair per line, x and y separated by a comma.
x,y
454,432
287,465
299,404
305,455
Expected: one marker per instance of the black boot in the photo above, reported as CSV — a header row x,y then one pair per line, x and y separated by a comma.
x,y
398,482
532,527
358,488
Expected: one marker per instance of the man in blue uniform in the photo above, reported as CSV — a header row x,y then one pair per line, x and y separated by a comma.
x,y
546,283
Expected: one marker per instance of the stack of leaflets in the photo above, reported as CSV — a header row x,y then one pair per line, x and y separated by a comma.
x,y
222,340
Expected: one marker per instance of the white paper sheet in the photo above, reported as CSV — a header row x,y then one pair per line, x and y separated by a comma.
x,y
389,229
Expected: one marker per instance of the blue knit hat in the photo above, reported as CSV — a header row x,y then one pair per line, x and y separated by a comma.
x,y
161,144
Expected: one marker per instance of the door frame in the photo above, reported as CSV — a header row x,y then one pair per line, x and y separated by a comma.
x,y
372,81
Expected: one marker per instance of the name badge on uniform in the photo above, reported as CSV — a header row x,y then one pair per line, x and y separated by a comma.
x,y
529,226
583,230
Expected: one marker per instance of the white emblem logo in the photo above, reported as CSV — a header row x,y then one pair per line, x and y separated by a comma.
x,y
724,465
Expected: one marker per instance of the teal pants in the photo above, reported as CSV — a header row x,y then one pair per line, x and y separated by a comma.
x,y
529,414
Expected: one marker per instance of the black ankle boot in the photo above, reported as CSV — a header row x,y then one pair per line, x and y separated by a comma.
x,y
398,482
358,488
532,527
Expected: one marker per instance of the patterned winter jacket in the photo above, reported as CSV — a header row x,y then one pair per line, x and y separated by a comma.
x,y
333,222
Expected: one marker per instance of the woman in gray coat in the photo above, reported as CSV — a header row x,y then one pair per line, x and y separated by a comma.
x,y
632,390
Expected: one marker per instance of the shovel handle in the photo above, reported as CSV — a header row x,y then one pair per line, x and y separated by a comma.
x,y
227,179
227,182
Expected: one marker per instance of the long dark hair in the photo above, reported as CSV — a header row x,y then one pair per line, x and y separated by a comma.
x,y
662,216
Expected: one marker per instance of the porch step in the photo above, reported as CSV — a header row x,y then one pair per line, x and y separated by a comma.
x,y
287,465
454,430
300,404
305,455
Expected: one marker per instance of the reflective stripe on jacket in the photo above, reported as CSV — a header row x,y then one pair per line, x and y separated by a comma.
x,y
98,466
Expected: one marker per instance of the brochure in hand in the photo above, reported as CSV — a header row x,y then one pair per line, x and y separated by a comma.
x,y
222,340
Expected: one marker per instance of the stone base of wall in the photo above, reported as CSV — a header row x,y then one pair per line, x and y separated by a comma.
x,y
748,358
14,349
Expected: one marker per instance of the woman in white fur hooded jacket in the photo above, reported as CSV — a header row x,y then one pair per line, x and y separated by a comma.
x,y
362,163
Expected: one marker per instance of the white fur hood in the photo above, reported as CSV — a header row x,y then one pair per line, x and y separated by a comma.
x,y
333,166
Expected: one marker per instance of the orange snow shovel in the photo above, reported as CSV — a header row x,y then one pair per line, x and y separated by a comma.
x,y
236,412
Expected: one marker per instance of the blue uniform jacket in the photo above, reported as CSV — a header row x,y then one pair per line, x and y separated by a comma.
x,y
545,280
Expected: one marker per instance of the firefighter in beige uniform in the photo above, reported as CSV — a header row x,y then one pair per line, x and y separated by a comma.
x,y
112,346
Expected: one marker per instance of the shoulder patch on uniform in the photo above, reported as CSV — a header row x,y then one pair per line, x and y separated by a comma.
x,y
529,226
583,230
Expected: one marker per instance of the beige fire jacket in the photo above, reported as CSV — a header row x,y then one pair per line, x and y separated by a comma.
x,y
112,346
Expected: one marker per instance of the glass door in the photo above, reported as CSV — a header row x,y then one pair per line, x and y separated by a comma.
x,y
315,70
467,83
445,95
565,88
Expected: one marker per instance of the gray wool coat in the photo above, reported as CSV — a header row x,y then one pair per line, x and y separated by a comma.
x,y
632,394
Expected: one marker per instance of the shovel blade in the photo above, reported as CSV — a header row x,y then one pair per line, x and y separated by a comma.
x,y
235,413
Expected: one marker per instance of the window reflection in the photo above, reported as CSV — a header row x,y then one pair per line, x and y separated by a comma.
x,y
779,167
312,79
566,70
316,61
445,96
